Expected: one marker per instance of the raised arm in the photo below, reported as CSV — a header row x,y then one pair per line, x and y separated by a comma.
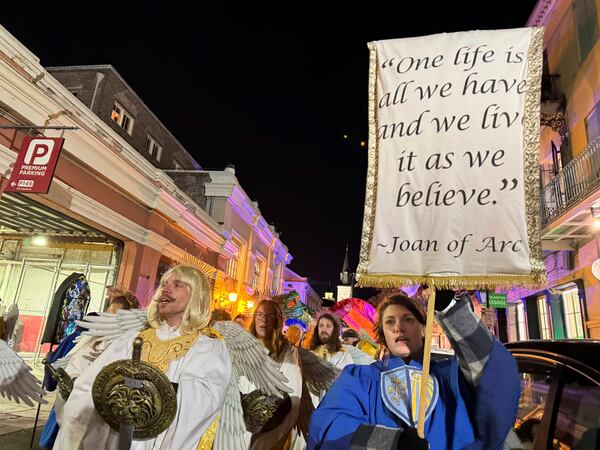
x,y
470,339
488,368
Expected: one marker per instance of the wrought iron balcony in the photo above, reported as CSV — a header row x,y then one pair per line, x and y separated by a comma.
x,y
573,183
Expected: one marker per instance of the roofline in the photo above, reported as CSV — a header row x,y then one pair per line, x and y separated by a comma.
x,y
541,12
118,75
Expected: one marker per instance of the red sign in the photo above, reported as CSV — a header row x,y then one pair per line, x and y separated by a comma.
x,y
35,165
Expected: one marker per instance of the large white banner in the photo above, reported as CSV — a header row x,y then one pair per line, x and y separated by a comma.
x,y
452,185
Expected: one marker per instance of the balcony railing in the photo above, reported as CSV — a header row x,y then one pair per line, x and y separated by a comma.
x,y
574,182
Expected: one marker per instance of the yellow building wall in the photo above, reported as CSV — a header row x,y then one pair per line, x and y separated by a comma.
x,y
580,82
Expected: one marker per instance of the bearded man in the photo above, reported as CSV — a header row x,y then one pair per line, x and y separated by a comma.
x,y
326,343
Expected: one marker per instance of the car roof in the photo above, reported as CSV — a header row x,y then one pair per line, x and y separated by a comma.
x,y
585,351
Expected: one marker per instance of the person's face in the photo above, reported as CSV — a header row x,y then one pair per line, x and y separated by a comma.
x,y
114,307
239,320
403,332
264,321
351,341
325,329
174,298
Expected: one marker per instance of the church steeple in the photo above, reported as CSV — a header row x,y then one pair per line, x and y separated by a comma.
x,y
344,289
345,275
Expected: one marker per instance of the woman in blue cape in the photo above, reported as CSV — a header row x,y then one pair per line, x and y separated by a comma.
x,y
472,398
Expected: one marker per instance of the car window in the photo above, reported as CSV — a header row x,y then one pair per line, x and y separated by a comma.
x,y
578,420
535,385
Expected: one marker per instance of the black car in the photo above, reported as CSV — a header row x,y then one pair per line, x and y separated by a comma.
x,y
560,396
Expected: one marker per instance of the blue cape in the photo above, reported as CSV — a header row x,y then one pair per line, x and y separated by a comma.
x,y
464,417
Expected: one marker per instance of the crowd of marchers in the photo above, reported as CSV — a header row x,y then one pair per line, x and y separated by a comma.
x,y
250,383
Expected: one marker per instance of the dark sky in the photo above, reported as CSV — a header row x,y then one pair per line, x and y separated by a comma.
x,y
270,89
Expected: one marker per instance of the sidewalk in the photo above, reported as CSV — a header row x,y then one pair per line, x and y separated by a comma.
x,y
16,420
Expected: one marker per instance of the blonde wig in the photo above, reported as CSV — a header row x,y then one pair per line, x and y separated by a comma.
x,y
197,313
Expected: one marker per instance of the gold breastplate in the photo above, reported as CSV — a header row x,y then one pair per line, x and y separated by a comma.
x,y
160,353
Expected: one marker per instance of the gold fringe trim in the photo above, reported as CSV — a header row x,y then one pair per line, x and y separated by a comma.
x,y
531,154
469,282
373,158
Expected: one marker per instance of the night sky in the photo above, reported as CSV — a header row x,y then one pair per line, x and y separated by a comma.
x,y
271,90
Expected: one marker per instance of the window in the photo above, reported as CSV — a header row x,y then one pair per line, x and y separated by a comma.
x,y
592,124
122,117
176,165
256,275
535,385
521,321
578,420
544,318
572,312
276,276
232,267
153,147
587,26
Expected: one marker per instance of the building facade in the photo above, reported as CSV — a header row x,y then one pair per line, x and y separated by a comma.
x,y
254,258
569,305
109,97
111,213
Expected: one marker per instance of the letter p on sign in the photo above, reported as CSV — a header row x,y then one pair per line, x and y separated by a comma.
x,y
39,152
35,165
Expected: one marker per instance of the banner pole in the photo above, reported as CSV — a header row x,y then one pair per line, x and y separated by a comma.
x,y
426,363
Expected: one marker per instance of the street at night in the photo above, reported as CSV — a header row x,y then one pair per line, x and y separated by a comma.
x,y
295,227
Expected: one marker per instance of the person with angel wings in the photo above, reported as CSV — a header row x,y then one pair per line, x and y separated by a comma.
x,y
206,363
471,401
325,343
17,383
267,326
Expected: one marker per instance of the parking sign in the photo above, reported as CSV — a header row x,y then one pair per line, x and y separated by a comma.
x,y
35,165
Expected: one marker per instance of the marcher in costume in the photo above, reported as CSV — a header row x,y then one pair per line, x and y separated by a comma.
x,y
267,326
325,343
320,367
79,356
179,343
472,398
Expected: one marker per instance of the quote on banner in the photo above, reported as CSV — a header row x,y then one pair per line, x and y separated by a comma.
x,y
453,179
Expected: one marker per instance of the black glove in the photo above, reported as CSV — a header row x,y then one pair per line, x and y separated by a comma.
x,y
443,297
409,440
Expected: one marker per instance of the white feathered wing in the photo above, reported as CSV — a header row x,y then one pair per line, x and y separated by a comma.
x,y
16,380
109,326
105,328
358,356
250,359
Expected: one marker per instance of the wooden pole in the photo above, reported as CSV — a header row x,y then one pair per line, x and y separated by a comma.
x,y
426,363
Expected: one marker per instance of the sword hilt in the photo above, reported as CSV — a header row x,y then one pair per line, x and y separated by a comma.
x,y
65,382
137,349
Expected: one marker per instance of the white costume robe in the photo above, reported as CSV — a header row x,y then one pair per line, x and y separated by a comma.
x,y
202,374
82,356
339,359
290,367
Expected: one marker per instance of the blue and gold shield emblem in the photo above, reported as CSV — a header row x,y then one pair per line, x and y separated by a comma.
x,y
400,390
